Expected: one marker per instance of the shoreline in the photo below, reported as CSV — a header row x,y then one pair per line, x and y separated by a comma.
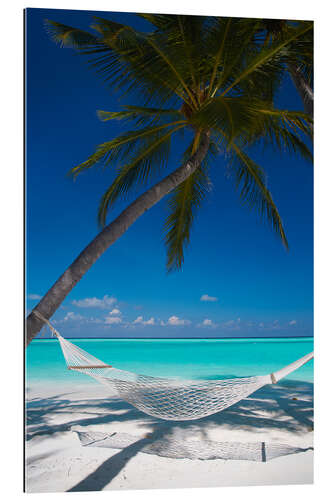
x,y
181,338
37,384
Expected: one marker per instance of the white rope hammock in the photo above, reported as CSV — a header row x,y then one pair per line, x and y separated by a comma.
x,y
165,398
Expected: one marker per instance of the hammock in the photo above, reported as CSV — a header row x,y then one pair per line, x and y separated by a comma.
x,y
164,398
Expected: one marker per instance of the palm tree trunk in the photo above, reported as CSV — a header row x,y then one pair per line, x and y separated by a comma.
x,y
61,288
302,87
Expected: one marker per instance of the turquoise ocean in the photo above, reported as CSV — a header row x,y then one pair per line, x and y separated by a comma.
x,y
180,358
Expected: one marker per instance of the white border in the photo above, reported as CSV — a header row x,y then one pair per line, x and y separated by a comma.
x,y
11,210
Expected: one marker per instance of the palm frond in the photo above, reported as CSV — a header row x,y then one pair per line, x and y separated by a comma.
x,y
147,162
142,116
123,57
160,21
183,204
284,129
266,57
237,48
123,147
67,36
251,120
251,182
220,54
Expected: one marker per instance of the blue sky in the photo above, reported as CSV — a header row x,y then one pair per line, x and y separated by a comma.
x,y
237,278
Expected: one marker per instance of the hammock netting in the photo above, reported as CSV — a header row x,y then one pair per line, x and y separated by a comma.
x,y
169,399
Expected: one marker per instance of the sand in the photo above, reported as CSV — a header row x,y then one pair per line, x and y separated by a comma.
x,y
56,461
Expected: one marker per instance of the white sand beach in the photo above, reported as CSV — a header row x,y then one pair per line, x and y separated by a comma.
x,y
56,460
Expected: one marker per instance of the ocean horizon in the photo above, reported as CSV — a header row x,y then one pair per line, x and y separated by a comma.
x,y
190,358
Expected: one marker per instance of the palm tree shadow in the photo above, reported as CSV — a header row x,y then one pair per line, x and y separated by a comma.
x,y
301,411
109,469
87,412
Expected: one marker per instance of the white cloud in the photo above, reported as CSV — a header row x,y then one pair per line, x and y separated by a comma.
x,y
292,322
78,318
175,321
115,312
207,322
71,316
34,296
208,298
103,303
274,325
112,320
232,324
140,321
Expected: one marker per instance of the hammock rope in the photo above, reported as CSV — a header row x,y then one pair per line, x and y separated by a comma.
x,y
168,399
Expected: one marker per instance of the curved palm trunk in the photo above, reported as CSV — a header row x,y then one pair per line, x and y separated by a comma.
x,y
58,292
302,87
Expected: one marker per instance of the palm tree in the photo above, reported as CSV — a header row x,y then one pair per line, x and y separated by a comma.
x,y
205,80
300,57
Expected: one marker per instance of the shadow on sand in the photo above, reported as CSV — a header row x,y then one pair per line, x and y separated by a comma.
x,y
262,410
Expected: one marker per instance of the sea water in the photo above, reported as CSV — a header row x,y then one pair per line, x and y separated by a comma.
x,y
180,358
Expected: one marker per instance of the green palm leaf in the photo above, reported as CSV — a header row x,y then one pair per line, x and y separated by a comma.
x,y
250,180
252,120
148,161
124,146
140,115
183,205
266,56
